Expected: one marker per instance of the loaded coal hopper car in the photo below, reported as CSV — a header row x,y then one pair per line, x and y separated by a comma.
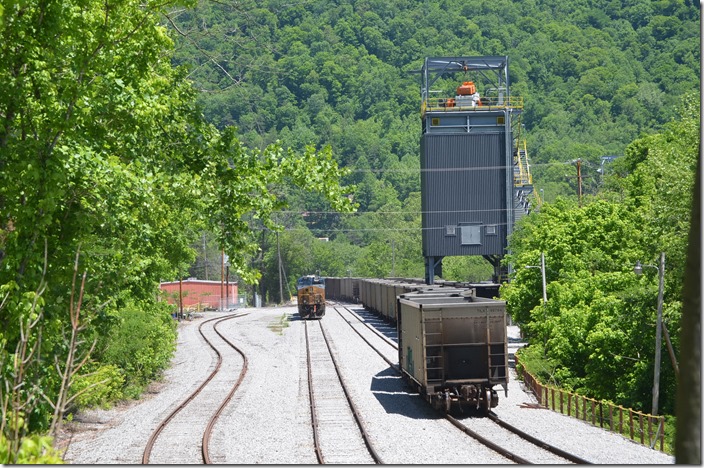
x,y
453,348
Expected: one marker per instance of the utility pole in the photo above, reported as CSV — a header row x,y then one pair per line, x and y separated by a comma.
x,y
658,336
281,285
638,270
579,181
542,271
227,286
205,257
222,277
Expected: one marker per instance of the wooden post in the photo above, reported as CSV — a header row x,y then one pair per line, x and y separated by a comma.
x,y
561,407
547,397
642,431
569,404
630,418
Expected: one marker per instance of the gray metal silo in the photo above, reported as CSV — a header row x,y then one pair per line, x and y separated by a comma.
x,y
468,155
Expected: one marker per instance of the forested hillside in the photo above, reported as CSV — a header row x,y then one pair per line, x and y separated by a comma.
x,y
594,76
598,78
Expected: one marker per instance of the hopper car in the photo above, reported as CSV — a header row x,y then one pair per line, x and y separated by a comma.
x,y
452,343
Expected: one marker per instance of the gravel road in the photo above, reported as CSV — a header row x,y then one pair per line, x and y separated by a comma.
x,y
268,419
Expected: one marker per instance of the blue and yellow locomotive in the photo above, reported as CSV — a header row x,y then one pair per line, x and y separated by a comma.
x,y
311,296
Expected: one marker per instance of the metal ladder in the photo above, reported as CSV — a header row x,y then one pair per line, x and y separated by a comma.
x,y
435,361
495,369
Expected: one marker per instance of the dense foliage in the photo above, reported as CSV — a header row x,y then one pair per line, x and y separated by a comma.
x,y
597,328
594,76
108,172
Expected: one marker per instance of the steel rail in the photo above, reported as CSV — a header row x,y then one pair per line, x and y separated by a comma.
x,y
497,448
152,439
355,411
370,327
311,394
545,446
388,361
211,424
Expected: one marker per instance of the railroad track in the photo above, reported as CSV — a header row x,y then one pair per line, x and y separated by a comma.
x,y
184,442
339,435
501,430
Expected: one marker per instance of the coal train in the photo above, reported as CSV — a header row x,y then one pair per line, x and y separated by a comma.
x,y
452,343
311,296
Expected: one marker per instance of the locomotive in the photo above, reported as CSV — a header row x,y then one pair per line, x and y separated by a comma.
x,y
311,296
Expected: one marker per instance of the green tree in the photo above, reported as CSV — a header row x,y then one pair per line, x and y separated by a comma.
x,y
597,327
105,152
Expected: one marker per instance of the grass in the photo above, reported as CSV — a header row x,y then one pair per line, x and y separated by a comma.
x,y
278,325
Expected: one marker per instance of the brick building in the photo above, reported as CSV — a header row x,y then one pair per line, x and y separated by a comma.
x,y
201,294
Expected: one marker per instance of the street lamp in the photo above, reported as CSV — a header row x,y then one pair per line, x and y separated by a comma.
x,y
638,270
542,270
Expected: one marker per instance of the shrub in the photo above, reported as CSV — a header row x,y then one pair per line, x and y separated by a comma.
x,y
108,381
34,450
141,344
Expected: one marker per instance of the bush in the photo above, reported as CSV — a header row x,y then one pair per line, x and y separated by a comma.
x,y
533,360
141,344
103,393
34,450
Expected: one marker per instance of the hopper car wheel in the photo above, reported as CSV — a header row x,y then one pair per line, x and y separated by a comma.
x,y
487,401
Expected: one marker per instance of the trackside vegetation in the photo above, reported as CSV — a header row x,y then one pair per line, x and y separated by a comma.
x,y
108,171
596,333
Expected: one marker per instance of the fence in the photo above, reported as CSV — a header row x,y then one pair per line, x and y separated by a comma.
x,y
640,427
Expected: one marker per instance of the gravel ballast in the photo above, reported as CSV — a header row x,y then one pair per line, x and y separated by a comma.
x,y
268,419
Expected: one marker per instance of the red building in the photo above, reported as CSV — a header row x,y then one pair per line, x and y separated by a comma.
x,y
201,294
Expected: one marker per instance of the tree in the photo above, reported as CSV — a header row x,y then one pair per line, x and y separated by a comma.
x,y
105,150
598,324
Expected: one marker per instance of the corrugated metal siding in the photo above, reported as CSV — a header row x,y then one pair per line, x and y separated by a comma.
x,y
463,180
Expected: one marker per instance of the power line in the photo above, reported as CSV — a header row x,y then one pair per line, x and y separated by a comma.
x,y
306,212
457,169
366,229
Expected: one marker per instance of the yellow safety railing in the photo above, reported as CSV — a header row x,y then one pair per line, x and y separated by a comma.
x,y
488,103
524,176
